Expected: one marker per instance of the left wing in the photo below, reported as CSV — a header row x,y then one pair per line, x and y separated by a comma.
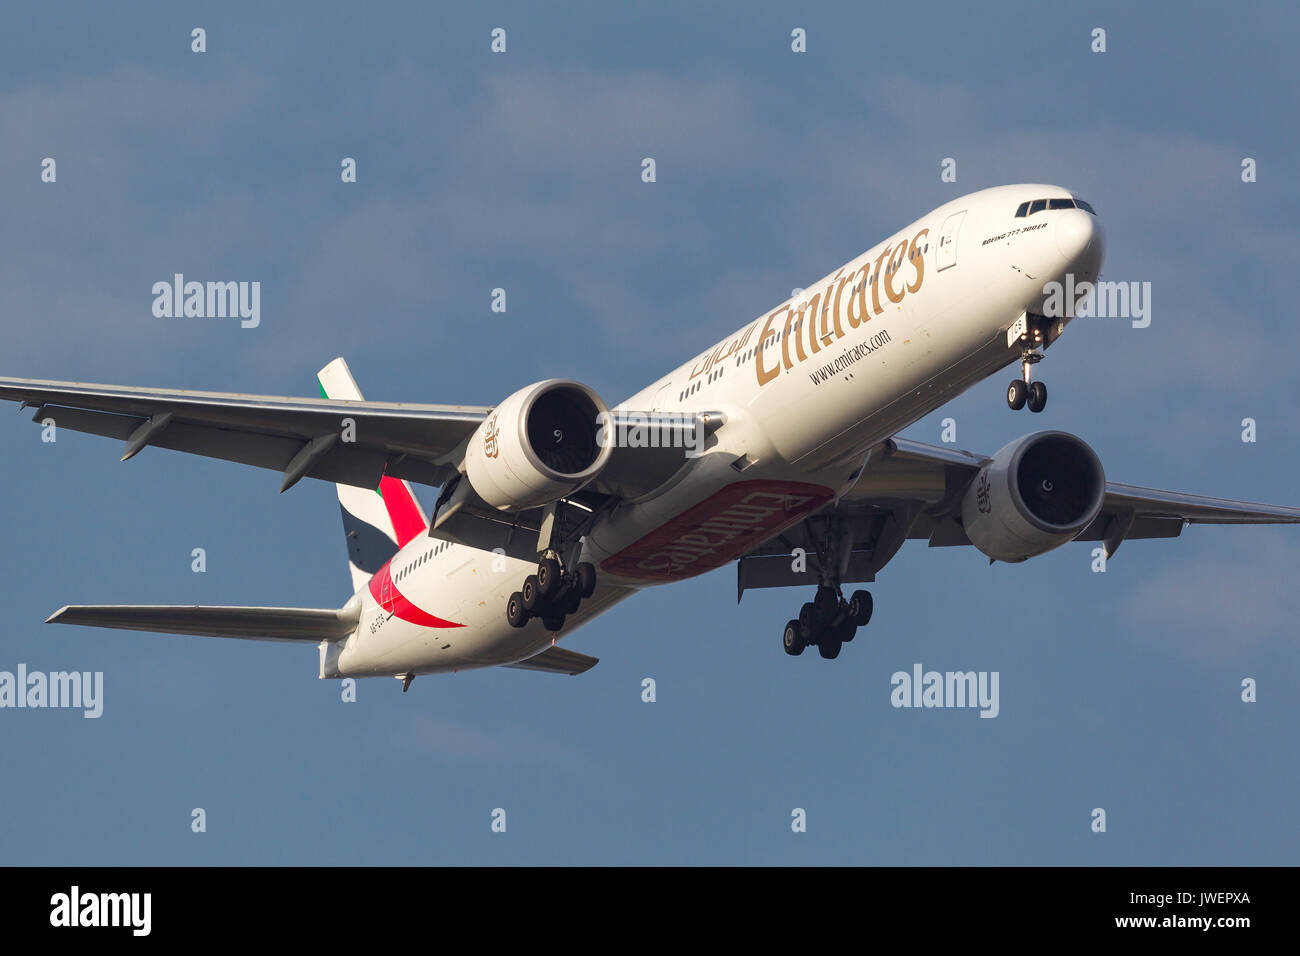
x,y
912,491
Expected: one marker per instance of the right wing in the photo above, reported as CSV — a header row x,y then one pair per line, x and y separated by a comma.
x,y
295,436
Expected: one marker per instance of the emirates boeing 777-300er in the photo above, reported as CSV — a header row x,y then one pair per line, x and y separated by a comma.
x,y
783,436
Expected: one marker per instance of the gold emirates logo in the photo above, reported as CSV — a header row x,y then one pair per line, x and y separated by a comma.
x,y
833,308
490,447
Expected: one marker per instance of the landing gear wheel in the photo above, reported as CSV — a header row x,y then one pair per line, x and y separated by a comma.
x,y
586,572
1037,397
860,608
846,630
829,647
826,604
793,639
515,612
531,594
807,622
553,620
572,598
549,578
1017,394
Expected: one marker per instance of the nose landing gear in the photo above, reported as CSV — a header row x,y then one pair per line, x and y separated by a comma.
x,y
1024,390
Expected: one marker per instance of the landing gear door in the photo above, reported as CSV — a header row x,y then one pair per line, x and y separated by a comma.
x,y
946,255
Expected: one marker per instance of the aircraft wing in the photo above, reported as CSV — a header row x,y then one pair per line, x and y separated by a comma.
x,y
913,491
301,437
296,436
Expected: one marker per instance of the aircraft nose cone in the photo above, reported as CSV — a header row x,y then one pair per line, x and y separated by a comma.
x,y
1078,235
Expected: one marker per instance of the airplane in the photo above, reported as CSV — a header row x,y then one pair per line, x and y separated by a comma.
x,y
777,448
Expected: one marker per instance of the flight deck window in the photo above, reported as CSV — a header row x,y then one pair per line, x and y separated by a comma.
x,y
1038,206
1021,210
1086,207
1061,204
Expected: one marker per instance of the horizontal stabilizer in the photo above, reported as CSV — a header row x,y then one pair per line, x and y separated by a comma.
x,y
296,624
556,660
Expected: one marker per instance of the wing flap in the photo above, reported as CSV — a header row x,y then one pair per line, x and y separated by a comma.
x,y
293,624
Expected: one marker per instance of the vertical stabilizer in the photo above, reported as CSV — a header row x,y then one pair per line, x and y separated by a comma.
x,y
379,522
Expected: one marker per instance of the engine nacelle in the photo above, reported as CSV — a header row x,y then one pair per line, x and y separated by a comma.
x,y
539,445
1036,494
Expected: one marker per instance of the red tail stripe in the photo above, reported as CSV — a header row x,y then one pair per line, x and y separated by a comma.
x,y
395,602
403,512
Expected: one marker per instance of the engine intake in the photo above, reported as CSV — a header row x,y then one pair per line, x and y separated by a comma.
x,y
1037,493
538,445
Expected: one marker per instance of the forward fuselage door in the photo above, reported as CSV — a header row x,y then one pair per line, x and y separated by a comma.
x,y
946,255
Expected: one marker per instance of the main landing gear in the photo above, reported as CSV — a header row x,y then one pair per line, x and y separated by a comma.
x,y
552,593
828,621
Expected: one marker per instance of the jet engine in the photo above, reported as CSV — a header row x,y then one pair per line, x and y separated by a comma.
x,y
1035,494
540,444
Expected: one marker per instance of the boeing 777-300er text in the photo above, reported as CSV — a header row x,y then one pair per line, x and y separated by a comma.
x,y
782,436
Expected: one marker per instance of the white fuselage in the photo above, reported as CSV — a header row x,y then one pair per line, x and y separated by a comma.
x,y
848,362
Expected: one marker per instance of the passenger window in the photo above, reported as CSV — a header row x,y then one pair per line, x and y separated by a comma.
x,y
1022,210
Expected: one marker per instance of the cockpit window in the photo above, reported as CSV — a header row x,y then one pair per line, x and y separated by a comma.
x,y
1038,205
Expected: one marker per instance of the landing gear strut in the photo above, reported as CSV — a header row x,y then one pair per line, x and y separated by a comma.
x,y
1024,390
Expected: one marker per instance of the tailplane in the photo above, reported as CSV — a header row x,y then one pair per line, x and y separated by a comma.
x,y
296,624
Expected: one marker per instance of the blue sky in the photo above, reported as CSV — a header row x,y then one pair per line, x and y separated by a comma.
x,y
522,171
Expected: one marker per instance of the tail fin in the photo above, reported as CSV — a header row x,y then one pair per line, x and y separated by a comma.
x,y
377,522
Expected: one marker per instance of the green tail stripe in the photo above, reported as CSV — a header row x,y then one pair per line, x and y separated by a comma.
x,y
321,385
